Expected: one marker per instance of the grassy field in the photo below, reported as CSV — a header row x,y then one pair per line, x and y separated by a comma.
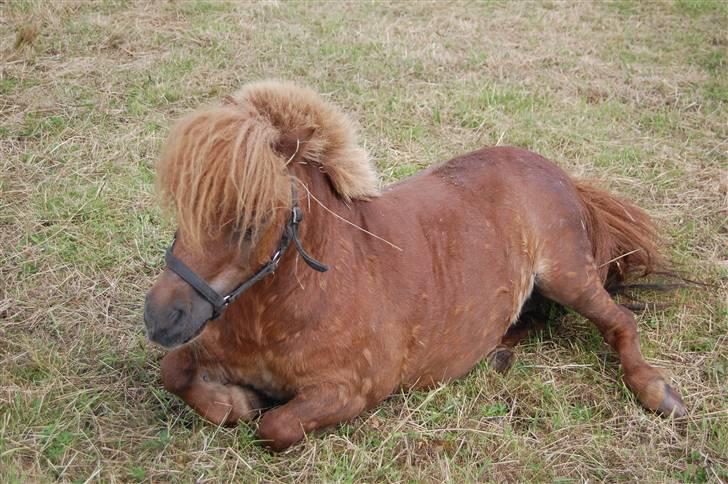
x,y
634,94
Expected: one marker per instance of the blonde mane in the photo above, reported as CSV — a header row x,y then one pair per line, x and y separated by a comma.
x,y
220,167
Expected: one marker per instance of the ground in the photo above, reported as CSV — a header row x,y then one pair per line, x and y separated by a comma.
x,y
630,93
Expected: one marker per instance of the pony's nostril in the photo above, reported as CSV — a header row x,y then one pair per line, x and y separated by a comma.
x,y
175,316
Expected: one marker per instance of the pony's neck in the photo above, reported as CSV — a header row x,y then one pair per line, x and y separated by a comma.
x,y
276,300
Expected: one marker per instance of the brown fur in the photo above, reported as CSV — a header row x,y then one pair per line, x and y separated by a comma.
x,y
479,235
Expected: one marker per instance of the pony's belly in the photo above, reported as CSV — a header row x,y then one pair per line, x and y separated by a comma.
x,y
454,348
462,339
444,370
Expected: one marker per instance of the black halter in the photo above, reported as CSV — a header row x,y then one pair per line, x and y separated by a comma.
x,y
220,303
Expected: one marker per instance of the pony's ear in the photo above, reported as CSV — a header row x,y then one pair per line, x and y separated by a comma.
x,y
291,144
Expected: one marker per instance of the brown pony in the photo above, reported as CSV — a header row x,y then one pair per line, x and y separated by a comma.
x,y
425,278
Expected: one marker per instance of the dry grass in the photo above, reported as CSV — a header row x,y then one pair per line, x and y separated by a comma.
x,y
629,92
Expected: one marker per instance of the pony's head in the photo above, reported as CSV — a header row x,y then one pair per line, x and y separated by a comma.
x,y
225,172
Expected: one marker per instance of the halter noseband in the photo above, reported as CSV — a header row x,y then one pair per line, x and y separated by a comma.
x,y
220,303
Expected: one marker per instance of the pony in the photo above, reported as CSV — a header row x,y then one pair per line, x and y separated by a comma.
x,y
408,287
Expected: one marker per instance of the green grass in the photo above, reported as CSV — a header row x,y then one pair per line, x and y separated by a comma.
x,y
632,93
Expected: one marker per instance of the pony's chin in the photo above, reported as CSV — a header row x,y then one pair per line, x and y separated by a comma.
x,y
171,340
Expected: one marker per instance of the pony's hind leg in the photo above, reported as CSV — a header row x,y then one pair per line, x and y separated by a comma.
x,y
534,317
501,358
572,280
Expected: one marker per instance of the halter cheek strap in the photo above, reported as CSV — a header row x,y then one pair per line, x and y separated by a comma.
x,y
220,303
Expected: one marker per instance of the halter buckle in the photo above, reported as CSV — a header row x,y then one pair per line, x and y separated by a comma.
x,y
297,215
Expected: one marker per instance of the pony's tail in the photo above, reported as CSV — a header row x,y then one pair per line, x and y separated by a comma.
x,y
624,239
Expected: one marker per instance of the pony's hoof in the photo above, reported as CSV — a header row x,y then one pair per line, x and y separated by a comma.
x,y
671,405
501,359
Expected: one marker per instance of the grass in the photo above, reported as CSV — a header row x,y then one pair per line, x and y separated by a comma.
x,y
632,93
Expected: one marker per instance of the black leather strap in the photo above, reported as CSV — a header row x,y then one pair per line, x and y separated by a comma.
x,y
220,303
189,276
297,216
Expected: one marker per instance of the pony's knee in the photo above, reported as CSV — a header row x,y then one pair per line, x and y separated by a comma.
x,y
279,430
177,371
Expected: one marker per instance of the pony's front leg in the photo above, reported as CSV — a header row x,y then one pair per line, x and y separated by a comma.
x,y
219,402
312,408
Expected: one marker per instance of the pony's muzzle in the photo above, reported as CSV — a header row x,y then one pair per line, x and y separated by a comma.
x,y
162,322
172,318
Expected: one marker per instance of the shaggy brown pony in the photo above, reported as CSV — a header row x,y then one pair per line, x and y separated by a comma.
x,y
425,278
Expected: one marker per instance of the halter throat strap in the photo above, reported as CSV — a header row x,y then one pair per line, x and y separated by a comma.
x,y
220,303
